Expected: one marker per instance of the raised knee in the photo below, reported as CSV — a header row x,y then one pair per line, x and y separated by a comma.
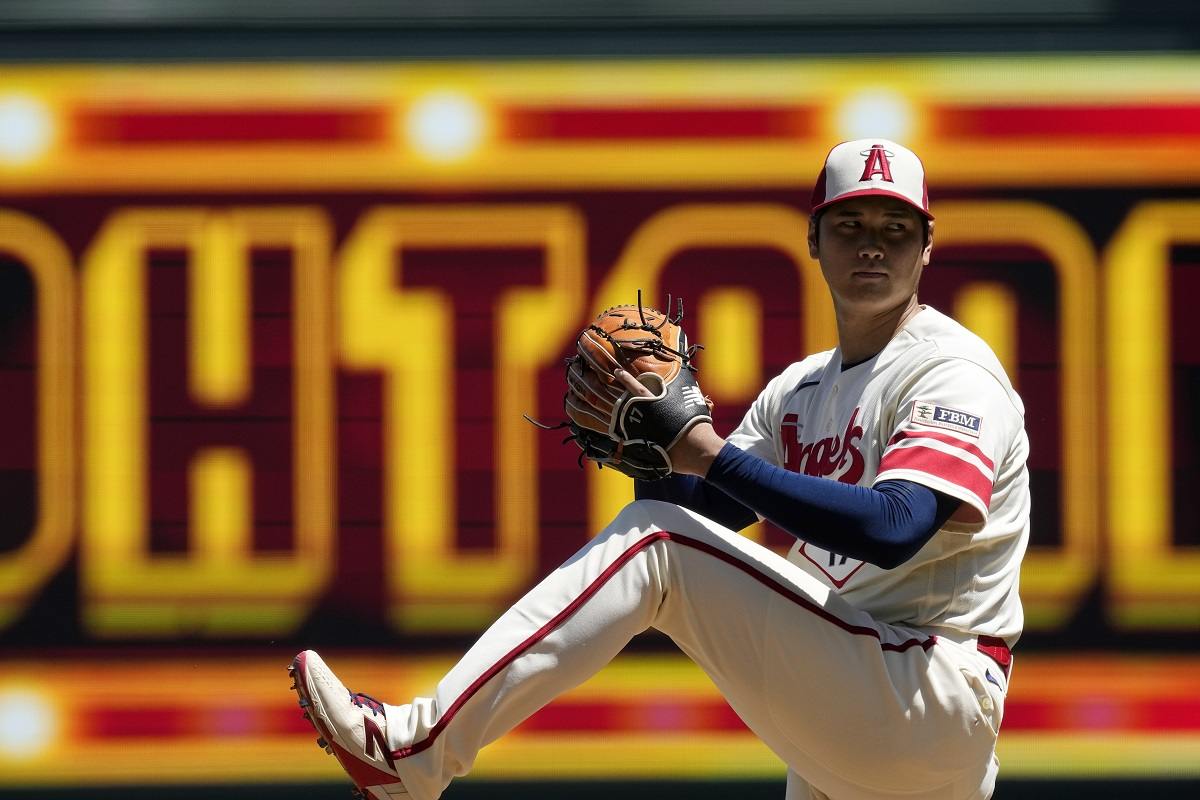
x,y
642,514
649,515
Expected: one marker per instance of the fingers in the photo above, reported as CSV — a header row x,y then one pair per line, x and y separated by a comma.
x,y
631,384
586,416
590,388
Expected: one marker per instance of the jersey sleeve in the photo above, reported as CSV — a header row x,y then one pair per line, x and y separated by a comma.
x,y
756,434
952,425
759,431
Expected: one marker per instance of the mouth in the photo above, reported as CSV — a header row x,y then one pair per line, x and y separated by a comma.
x,y
869,274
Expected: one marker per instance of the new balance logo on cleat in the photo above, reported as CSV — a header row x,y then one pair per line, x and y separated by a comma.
x,y
375,739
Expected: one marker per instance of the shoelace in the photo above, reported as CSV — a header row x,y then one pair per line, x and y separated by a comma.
x,y
366,701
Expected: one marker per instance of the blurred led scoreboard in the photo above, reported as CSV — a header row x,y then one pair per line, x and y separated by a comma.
x,y
269,331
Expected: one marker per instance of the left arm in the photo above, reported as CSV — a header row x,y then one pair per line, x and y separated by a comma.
x,y
885,524
698,495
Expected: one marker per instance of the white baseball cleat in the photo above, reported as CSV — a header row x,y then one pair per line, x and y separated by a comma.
x,y
352,727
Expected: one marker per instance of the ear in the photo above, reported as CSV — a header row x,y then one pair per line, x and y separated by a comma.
x,y
812,237
928,251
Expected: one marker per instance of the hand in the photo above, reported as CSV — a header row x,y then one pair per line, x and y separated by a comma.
x,y
631,384
631,391
694,453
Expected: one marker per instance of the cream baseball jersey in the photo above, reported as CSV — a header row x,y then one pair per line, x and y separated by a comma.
x,y
934,407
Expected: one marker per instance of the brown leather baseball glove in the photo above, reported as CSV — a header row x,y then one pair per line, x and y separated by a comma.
x,y
614,426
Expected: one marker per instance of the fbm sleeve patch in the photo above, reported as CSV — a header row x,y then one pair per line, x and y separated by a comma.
x,y
935,416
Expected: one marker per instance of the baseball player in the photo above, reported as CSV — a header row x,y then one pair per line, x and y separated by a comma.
x,y
874,658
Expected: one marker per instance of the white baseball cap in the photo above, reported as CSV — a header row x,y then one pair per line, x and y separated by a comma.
x,y
872,167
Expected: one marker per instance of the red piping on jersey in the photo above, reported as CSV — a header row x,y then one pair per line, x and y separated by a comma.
x,y
595,586
945,439
939,465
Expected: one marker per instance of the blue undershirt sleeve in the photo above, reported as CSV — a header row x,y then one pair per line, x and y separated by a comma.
x,y
885,524
699,496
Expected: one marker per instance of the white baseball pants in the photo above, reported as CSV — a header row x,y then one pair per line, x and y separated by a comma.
x,y
855,708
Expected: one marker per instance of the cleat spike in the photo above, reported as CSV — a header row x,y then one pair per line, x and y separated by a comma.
x,y
303,703
322,743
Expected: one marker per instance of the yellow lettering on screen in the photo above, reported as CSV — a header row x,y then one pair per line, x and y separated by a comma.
x,y
989,310
220,587
1053,579
733,317
220,507
704,225
24,570
733,370
408,333
1153,583
219,317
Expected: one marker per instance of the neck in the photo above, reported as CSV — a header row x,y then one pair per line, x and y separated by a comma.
x,y
861,336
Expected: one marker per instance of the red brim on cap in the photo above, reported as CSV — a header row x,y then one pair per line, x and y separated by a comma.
x,y
873,192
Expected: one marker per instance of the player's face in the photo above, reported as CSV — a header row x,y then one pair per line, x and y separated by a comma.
x,y
872,250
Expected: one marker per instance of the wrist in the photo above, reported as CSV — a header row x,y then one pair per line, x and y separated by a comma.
x,y
696,451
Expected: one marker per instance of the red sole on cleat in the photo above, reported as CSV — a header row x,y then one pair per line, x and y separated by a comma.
x,y
361,773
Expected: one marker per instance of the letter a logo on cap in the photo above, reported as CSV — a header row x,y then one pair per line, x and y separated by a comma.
x,y
878,163
874,166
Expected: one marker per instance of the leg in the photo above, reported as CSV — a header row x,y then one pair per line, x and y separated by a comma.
x,y
824,686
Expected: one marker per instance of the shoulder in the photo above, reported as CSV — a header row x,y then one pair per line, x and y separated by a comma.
x,y
761,422
941,344
796,377
801,373
811,367
936,334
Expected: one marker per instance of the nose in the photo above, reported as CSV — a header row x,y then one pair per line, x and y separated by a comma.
x,y
870,251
